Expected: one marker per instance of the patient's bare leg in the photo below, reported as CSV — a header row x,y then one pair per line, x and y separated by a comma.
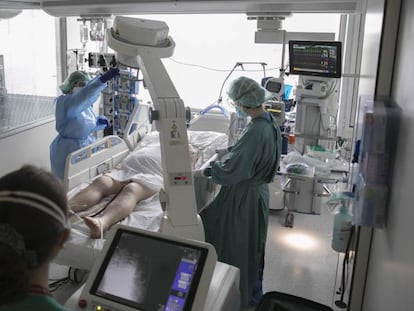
x,y
118,209
94,193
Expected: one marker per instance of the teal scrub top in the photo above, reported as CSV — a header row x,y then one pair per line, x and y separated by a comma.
x,y
76,122
236,221
35,302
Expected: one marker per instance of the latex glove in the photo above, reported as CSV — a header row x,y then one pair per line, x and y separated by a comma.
x,y
102,120
109,75
222,152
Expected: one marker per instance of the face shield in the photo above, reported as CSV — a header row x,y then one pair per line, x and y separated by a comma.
x,y
80,84
77,86
75,79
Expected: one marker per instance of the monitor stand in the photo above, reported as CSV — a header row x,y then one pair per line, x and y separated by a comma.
x,y
223,293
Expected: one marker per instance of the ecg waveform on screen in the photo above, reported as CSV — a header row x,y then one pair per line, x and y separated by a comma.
x,y
315,58
318,58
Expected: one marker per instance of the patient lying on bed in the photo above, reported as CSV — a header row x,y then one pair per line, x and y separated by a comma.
x,y
139,178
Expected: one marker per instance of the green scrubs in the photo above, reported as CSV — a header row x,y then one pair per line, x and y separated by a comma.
x,y
236,221
35,302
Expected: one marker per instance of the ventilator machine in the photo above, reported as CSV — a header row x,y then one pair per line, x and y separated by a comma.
x,y
318,66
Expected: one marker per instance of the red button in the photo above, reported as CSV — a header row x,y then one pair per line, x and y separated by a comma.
x,y
82,303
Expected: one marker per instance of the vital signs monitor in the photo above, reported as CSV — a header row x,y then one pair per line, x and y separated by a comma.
x,y
142,270
315,58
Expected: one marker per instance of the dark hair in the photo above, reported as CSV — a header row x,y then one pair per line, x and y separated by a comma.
x,y
39,230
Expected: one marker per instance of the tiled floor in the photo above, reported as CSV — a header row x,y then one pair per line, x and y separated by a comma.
x,y
299,260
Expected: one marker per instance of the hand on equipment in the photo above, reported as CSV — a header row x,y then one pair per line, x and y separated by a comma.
x,y
102,120
111,73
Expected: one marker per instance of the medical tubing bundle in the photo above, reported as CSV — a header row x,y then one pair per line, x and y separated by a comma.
x,y
97,213
75,275
106,205
55,285
73,213
220,98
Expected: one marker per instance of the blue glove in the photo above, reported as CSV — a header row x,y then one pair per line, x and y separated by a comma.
x,y
109,75
207,171
102,120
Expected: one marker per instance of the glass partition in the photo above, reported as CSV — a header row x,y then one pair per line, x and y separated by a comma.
x,y
28,71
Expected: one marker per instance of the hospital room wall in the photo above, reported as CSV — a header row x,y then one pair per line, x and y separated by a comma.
x,y
390,275
29,146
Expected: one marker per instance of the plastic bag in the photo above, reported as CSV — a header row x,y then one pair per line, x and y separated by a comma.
x,y
276,194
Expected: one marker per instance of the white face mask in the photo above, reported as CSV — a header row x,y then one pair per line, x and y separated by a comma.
x,y
76,89
77,86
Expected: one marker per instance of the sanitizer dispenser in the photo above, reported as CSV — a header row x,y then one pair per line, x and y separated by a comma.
x,y
341,229
342,223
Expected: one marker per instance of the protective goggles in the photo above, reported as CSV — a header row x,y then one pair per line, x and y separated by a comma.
x,y
80,84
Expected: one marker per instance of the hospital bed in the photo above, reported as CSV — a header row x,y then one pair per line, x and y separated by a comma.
x,y
86,164
180,218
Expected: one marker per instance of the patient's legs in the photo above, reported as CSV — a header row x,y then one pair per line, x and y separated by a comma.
x,y
94,193
120,207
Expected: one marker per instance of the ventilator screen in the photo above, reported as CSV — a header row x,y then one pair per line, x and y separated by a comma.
x,y
149,273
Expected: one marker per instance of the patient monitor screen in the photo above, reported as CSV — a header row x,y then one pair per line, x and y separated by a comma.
x,y
149,273
315,58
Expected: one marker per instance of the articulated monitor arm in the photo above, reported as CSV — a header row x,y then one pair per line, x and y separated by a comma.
x,y
181,217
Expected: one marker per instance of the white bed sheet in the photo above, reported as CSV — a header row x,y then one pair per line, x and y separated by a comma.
x,y
81,251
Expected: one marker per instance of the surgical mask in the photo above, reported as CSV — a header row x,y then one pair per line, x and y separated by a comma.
x,y
77,86
76,89
240,112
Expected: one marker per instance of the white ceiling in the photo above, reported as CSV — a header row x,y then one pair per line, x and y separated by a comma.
x,y
103,7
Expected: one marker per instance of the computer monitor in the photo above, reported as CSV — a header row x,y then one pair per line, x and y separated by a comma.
x,y
315,58
142,270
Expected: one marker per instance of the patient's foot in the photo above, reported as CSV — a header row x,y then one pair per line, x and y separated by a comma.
x,y
95,226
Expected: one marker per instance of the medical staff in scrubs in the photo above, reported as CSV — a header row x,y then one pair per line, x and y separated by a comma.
x,y
236,221
76,120
33,229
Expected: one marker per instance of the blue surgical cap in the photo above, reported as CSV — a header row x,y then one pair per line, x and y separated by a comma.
x,y
248,92
76,76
